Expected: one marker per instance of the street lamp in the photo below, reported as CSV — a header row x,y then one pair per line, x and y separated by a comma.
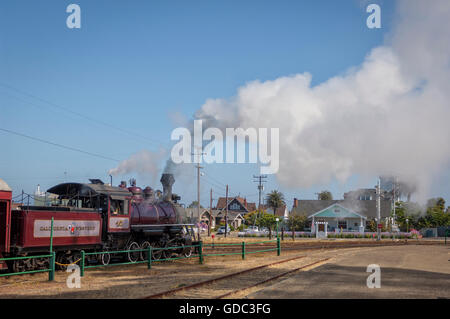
x,y
407,225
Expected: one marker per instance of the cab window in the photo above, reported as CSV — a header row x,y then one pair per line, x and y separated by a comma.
x,y
118,207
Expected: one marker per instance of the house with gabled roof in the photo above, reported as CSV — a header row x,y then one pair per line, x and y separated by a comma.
x,y
339,217
355,205
235,204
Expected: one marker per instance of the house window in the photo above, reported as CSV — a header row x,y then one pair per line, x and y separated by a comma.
x,y
235,206
342,224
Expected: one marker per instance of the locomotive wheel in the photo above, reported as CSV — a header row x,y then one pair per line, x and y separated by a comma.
x,y
104,259
18,266
188,252
133,256
144,254
157,254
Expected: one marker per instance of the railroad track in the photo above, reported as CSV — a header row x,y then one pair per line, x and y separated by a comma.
x,y
240,282
287,246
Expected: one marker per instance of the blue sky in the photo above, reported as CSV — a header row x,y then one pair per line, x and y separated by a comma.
x,y
133,65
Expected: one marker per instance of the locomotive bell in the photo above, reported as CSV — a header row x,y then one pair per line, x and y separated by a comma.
x,y
167,181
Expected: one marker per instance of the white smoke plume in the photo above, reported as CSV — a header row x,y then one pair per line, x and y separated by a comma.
x,y
388,116
146,164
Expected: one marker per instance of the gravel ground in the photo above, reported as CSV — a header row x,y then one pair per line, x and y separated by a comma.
x,y
136,281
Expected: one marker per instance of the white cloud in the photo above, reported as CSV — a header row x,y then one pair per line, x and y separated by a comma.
x,y
387,116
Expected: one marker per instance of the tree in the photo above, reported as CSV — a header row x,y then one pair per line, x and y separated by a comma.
x,y
250,218
371,225
434,216
297,222
325,195
267,220
275,199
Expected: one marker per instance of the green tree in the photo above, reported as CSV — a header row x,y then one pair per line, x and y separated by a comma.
x,y
325,195
267,220
371,225
297,222
435,214
275,199
250,218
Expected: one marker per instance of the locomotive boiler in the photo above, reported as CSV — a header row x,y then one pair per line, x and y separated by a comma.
x,y
93,217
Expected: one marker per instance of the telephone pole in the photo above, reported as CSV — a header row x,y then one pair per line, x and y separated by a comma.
x,y
210,212
378,210
226,212
198,184
260,180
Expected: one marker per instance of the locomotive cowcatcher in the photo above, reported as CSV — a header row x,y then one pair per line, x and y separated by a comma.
x,y
93,217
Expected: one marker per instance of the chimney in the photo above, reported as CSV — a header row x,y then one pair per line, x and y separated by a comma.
x,y
245,202
295,203
167,181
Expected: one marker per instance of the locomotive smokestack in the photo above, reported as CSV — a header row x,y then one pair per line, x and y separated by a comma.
x,y
167,181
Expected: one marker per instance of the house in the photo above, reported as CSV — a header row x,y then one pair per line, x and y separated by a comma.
x,y
357,207
235,204
338,217
235,219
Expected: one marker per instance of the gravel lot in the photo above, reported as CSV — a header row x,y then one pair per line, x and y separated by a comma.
x,y
136,281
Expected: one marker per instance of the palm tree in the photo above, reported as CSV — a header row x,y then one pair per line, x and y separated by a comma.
x,y
275,199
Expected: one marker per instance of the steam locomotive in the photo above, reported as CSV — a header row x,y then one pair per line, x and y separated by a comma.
x,y
93,217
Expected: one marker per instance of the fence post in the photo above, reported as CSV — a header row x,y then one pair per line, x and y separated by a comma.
x,y
51,236
149,257
243,250
82,263
278,246
200,252
51,273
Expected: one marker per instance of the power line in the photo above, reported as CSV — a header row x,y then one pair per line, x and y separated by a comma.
x,y
219,182
58,145
78,114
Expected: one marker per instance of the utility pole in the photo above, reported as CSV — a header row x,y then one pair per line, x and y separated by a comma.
x,y
260,180
378,211
198,184
226,212
210,212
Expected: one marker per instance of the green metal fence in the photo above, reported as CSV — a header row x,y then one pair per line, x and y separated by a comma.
x,y
149,260
244,246
51,255
50,270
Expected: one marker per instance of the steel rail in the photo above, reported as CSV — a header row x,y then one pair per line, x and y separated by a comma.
x,y
210,281
271,278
